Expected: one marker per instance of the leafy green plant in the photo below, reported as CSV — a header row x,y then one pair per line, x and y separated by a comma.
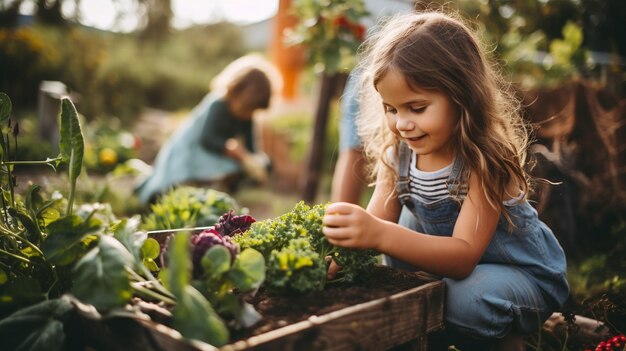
x,y
108,145
330,31
186,206
45,253
37,242
226,280
601,272
222,272
102,262
296,250
194,316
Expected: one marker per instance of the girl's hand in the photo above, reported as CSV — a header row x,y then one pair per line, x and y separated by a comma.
x,y
235,149
349,225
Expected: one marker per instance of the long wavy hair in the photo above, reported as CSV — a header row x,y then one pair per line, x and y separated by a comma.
x,y
439,52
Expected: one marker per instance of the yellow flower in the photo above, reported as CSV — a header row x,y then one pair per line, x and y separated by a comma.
x,y
107,156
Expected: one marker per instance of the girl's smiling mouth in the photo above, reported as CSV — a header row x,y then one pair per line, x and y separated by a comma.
x,y
417,138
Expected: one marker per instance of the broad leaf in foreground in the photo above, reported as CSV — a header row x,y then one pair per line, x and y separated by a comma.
x,y
100,276
71,145
38,327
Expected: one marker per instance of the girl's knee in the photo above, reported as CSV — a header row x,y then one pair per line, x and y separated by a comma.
x,y
477,314
489,305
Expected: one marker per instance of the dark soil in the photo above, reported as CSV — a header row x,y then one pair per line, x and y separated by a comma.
x,y
281,310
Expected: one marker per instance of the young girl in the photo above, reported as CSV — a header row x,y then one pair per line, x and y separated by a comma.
x,y
217,141
451,192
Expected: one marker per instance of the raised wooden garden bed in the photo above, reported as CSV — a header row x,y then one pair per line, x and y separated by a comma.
x,y
387,308
375,325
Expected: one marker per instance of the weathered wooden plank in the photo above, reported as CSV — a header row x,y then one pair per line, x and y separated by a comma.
x,y
375,325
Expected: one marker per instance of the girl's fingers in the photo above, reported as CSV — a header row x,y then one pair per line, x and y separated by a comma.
x,y
333,220
336,233
339,208
333,268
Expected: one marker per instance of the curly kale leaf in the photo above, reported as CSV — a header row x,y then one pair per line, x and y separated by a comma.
x,y
296,267
295,238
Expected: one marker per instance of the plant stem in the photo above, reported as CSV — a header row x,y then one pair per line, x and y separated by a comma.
x,y
26,241
154,283
152,294
157,285
17,257
44,162
4,209
9,171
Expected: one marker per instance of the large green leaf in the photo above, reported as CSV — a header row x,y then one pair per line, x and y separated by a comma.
x,y
37,327
179,263
194,318
150,250
64,243
248,272
100,276
71,145
19,292
216,262
126,232
144,249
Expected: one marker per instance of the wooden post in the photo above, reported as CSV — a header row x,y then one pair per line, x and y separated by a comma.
x,y
330,84
288,59
48,109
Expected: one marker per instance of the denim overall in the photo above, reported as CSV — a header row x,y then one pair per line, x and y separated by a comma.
x,y
520,279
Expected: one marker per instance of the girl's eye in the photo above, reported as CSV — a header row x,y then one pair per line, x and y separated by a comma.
x,y
389,109
418,109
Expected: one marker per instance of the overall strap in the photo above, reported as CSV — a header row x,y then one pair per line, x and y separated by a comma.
x,y
457,180
404,164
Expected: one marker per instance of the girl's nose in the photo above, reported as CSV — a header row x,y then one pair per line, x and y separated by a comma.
x,y
405,124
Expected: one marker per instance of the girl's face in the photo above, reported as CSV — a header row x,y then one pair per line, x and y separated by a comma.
x,y
243,104
425,120
240,108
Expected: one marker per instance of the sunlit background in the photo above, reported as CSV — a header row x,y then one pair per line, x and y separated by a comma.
x,y
124,15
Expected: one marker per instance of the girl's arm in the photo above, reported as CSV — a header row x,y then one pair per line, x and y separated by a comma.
x,y
348,225
213,138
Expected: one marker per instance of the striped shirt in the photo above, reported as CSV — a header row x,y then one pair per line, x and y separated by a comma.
x,y
429,187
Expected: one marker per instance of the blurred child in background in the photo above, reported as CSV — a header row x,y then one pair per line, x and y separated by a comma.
x,y
216,145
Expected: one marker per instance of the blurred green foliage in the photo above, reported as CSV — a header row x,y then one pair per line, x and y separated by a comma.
x,y
187,207
330,31
108,144
547,42
116,74
601,272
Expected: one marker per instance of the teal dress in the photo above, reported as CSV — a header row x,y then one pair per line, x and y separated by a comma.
x,y
195,152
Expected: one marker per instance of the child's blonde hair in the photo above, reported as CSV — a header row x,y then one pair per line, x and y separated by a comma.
x,y
250,76
438,52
